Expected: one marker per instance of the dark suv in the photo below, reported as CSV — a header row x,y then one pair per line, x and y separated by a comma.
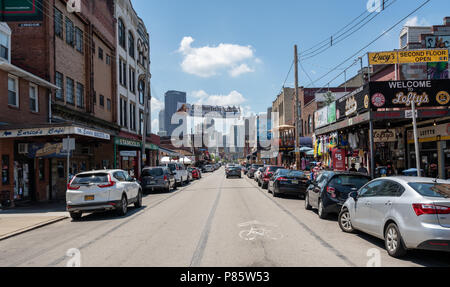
x,y
267,173
331,189
157,178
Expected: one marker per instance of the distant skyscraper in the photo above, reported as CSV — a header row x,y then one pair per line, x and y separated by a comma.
x,y
172,101
162,127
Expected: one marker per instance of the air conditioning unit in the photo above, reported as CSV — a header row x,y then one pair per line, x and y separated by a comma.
x,y
23,148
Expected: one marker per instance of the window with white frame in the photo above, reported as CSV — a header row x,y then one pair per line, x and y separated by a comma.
x,y
34,102
4,46
13,91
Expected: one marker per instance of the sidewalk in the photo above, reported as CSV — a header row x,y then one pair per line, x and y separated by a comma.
x,y
19,220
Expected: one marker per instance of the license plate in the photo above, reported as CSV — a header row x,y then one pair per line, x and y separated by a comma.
x,y
152,182
89,198
295,182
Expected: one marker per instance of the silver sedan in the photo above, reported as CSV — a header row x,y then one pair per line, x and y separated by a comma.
x,y
406,212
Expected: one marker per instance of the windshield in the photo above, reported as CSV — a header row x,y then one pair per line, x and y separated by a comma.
x,y
91,178
351,181
296,174
439,190
282,172
153,172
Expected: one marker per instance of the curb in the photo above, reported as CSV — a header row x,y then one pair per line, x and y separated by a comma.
x,y
31,228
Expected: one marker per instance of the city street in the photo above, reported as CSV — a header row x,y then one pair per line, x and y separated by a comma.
x,y
204,224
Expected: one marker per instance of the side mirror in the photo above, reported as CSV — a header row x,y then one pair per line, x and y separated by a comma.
x,y
354,195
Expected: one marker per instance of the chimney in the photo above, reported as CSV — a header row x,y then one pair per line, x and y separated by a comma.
x,y
447,21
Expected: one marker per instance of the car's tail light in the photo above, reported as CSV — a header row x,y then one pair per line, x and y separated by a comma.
x,y
422,209
331,191
165,177
268,175
282,179
72,187
110,183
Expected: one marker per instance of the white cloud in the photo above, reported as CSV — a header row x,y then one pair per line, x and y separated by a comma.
x,y
415,22
156,105
242,69
155,125
234,98
209,61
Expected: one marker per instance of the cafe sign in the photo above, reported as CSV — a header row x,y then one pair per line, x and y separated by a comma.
x,y
401,94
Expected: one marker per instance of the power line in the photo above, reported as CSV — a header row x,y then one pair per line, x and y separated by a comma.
x,y
373,41
339,39
331,41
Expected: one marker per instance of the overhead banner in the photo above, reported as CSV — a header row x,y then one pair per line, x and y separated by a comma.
x,y
400,94
408,57
21,10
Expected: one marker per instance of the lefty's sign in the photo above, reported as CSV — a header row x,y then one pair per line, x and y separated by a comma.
x,y
401,94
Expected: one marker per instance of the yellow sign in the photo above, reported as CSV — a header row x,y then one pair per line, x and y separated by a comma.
x,y
383,58
408,57
422,56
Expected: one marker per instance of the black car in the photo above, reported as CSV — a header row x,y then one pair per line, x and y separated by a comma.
x,y
285,181
157,178
253,169
234,171
331,189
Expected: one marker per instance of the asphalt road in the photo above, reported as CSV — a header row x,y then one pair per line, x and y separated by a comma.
x,y
204,224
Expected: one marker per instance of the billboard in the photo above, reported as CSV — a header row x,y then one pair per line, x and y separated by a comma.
x,y
438,70
21,10
202,110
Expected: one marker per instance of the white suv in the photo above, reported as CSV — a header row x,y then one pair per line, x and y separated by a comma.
x,y
180,172
101,191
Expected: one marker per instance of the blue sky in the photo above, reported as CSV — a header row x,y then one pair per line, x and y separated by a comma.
x,y
239,52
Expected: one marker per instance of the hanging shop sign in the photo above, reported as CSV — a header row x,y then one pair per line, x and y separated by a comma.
x,y
321,117
339,156
46,150
408,57
400,94
126,153
389,135
204,110
432,133
21,10
355,102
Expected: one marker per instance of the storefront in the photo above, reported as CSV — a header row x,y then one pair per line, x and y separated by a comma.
x,y
127,155
34,164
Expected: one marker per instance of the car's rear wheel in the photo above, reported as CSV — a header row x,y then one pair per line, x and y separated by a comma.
x,y
307,205
123,208
76,215
345,222
321,211
393,241
138,203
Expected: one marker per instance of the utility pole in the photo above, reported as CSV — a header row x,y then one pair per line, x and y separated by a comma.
x,y
297,112
147,97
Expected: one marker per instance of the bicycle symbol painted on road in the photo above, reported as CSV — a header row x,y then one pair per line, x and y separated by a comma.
x,y
259,230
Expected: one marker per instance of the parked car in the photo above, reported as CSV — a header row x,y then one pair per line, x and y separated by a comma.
x,y
263,178
286,181
331,189
258,174
196,172
209,168
406,212
101,191
234,171
157,178
181,173
252,170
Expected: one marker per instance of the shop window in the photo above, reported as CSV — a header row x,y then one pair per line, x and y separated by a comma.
x,y
61,172
5,169
41,169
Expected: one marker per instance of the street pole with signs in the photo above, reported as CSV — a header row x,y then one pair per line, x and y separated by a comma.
x,y
68,146
416,138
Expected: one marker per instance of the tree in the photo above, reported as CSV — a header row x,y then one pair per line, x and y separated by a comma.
x,y
329,98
